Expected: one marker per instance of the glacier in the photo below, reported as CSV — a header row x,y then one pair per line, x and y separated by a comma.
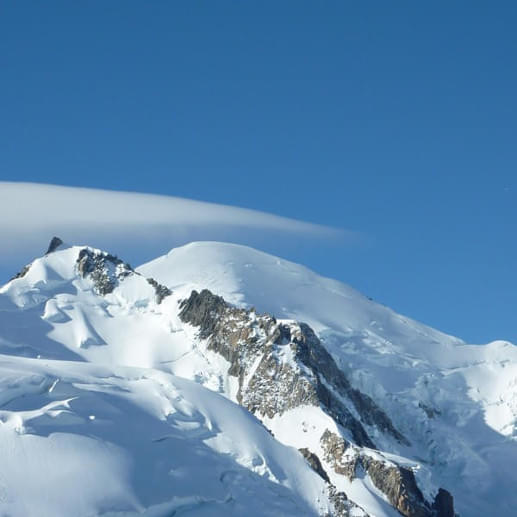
x,y
114,401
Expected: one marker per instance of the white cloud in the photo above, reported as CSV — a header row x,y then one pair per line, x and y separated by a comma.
x,y
31,213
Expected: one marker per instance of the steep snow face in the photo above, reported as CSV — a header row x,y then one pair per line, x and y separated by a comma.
x,y
457,402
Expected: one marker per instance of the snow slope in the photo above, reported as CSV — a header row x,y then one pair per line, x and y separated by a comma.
x,y
457,402
112,396
90,428
79,439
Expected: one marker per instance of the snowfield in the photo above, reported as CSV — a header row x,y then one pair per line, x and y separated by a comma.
x,y
112,405
80,439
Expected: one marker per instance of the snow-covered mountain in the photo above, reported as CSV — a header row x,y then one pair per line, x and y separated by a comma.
x,y
219,380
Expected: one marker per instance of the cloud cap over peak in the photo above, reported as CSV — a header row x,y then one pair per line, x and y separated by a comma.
x,y
30,213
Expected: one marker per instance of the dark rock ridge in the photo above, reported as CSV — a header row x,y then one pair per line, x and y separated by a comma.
x,y
443,504
104,270
341,505
160,290
283,365
248,340
396,482
21,273
54,245
315,463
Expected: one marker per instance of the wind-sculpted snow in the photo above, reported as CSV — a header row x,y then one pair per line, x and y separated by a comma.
x,y
114,402
77,439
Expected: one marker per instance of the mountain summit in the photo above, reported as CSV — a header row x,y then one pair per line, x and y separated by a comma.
x,y
219,380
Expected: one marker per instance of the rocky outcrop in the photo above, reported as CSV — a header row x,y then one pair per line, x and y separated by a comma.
x,y
341,505
203,310
315,463
160,290
443,504
335,449
396,482
104,270
21,273
399,485
314,355
281,366
54,245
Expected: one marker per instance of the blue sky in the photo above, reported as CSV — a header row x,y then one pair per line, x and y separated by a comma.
x,y
397,121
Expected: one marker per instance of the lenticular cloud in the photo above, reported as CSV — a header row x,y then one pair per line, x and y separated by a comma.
x,y
31,212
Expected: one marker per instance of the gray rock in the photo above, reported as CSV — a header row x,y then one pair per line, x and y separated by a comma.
x,y
396,482
54,244
315,463
244,338
335,447
202,310
254,345
399,485
160,290
443,504
105,270
21,273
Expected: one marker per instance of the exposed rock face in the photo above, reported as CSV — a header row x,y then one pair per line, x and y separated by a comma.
x,y
315,463
281,366
335,449
160,290
318,359
21,273
106,271
443,504
342,506
202,310
54,244
399,485
103,269
396,482
340,502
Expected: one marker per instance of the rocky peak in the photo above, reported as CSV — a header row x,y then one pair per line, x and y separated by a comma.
x,y
281,365
259,350
54,245
202,310
160,290
104,270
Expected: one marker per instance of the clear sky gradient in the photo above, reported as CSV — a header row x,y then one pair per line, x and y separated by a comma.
x,y
396,120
